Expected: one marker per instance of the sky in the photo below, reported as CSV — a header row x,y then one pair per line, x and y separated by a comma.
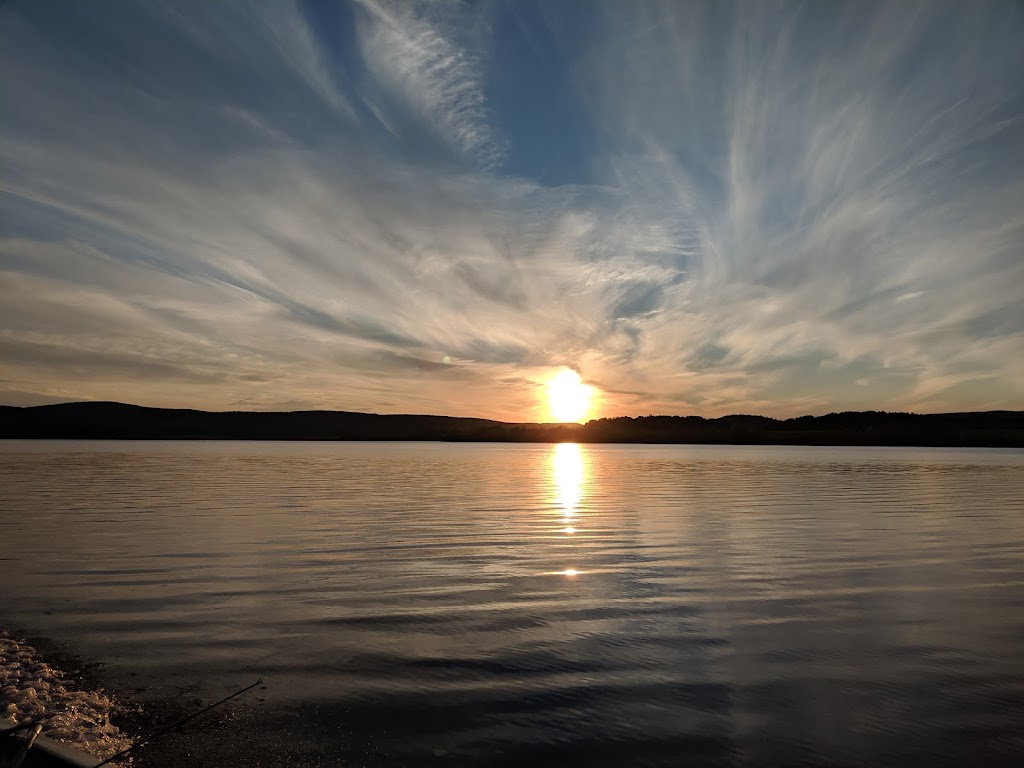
x,y
434,207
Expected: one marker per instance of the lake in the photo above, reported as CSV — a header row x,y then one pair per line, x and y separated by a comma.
x,y
507,605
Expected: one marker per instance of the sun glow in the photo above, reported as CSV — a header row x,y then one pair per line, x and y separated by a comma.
x,y
568,397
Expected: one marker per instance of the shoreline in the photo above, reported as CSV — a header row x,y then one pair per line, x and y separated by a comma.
x,y
63,693
97,698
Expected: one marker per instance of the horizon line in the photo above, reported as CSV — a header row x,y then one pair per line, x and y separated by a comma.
x,y
498,421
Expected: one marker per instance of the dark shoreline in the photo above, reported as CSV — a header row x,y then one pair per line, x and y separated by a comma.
x,y
77,673
117,421
140,710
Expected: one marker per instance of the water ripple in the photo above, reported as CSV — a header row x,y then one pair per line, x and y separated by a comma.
x,y
414,604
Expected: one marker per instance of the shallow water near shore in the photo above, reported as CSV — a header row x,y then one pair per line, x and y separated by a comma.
x,y
461,604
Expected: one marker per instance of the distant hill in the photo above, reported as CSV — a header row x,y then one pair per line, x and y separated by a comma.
x,y
990,428
117,421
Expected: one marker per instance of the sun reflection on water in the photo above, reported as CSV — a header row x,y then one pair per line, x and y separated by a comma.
x,y
569,474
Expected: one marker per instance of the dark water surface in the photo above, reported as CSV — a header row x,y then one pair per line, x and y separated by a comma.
x,y
460,604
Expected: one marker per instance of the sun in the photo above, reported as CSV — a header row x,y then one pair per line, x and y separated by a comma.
x,y
568,397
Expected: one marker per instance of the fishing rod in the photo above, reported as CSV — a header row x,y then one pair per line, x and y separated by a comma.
x,y
173,726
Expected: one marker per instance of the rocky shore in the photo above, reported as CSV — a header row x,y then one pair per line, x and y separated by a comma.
x,y
32,690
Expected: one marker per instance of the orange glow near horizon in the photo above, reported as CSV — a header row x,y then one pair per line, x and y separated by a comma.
x,y
569,399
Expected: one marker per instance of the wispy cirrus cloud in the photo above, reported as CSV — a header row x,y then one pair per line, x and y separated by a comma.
x,y
427,54
831,161
786,209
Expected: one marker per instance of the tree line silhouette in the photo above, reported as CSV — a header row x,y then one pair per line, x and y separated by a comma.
x,y
120,421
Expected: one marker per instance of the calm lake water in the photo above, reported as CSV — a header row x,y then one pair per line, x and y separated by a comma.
x,y
508,605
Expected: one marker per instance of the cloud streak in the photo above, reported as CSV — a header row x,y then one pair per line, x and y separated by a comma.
x,y
415,51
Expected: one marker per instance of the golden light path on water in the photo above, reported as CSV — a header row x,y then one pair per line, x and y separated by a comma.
x,y
568,471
